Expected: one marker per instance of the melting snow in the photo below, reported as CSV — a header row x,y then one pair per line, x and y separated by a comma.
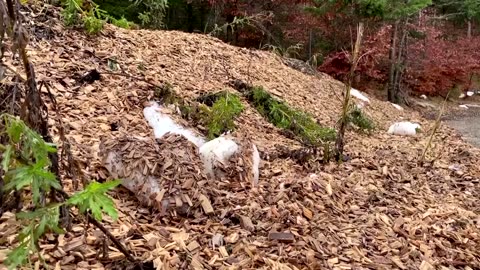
x,y
404,128
162,124
398,107
219,149
354,92
216,150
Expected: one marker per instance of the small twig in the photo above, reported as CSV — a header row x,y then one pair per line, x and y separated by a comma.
x,y
119,245
14,97
339,142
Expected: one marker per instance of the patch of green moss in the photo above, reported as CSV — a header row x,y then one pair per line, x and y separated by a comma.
x,y
360,120
283,116
210,98
223,112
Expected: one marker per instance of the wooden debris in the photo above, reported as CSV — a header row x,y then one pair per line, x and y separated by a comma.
x,y
281,237
193,246
307,213
206,205
246,223
426,266
380,203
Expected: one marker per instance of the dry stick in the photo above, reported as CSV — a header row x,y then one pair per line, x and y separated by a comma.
x,y
435,128
339,142
119,245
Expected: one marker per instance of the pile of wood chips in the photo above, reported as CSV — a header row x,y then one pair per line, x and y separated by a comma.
x,y
382,209
162,173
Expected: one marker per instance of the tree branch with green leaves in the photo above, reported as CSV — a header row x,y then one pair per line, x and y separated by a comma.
x,y
26,168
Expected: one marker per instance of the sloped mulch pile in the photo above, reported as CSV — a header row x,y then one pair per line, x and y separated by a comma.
x,y
158,176
379,210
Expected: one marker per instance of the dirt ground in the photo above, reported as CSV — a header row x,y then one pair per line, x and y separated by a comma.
x,y
468,124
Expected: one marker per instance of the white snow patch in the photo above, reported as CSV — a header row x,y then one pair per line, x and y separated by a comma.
x,y
354,92
423,96
463,106
398,107
462,95
162,124
404,128
470,93
216,150
360,105
219,149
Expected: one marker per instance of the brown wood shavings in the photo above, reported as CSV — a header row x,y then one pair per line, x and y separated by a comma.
x,y
164,173
240,166
380,210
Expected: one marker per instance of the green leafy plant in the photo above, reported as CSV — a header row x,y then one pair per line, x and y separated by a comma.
x,y
122,23
93,197
154,14
222,114
290,51
93,18
72,11
360,120
283,116
238,22
26,163
92,24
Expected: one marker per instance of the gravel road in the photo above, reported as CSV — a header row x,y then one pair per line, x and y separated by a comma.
x,y
467,123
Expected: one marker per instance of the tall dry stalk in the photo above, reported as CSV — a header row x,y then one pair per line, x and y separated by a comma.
x,y
435,128
339,142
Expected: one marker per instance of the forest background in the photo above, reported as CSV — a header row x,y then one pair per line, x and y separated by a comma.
x,y
411,47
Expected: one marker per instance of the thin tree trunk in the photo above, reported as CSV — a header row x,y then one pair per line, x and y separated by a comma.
x,y
310,41
339,142
393,45
469,30
400,63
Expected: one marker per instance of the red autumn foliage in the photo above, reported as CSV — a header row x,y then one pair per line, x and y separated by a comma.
x,y
373,62
438,64
437,60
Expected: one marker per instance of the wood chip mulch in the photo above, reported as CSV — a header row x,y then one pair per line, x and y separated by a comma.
x,y
379,210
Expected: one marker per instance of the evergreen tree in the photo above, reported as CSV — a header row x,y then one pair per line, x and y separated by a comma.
x,y
466,11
